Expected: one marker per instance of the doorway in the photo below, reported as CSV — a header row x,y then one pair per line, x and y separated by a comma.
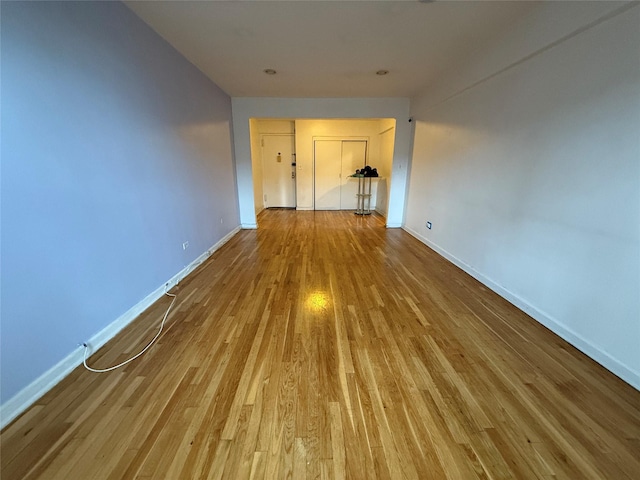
x,y
334,162
279,171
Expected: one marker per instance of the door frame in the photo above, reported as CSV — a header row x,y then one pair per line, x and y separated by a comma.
x,y
342,138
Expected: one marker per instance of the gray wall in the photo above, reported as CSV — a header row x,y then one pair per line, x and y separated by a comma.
x,y
531,178
115,151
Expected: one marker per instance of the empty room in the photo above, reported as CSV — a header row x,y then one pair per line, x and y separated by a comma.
x,y
320,239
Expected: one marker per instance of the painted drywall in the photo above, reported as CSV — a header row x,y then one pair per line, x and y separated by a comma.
x,y
317,108
386,136
531,179
308,130
546,24
256,166
115,150
276,126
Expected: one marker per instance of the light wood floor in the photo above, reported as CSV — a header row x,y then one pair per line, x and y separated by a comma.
x,y
324,346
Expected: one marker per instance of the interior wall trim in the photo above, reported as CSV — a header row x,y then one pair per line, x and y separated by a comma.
x,y
603,358
26,397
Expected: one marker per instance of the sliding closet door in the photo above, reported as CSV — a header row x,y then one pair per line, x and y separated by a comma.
x,y
335,161
328,166
354,154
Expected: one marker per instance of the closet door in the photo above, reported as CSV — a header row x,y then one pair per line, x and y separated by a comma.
x,y
354,154
335,161
327,172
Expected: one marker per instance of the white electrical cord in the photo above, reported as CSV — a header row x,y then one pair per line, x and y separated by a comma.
x,y
103,370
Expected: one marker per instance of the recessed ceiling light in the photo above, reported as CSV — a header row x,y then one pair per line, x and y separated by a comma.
x,y
382,72
270,71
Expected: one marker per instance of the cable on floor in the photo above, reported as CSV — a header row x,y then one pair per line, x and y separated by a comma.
x,y
103,370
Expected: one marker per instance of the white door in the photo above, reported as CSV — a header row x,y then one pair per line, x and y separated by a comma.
x,y
327,181
335,160
354,154
278,173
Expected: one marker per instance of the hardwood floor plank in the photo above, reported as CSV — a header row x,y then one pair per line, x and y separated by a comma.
x,y
323,345
337,441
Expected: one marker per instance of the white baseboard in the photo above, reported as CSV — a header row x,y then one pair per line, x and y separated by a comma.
x,y
585,346
45,382
249,226
381,212
394,225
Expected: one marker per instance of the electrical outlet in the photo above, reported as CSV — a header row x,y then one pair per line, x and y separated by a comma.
x,y
220,220
429,225
185,245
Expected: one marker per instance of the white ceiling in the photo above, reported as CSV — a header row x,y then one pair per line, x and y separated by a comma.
x,y
328,48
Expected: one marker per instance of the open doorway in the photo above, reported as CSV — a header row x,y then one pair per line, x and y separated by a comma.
x,y
325,153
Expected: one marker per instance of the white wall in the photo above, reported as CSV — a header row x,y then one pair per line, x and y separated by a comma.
x,y
301,108
386,136
549,23
256,166
532,181
276,126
